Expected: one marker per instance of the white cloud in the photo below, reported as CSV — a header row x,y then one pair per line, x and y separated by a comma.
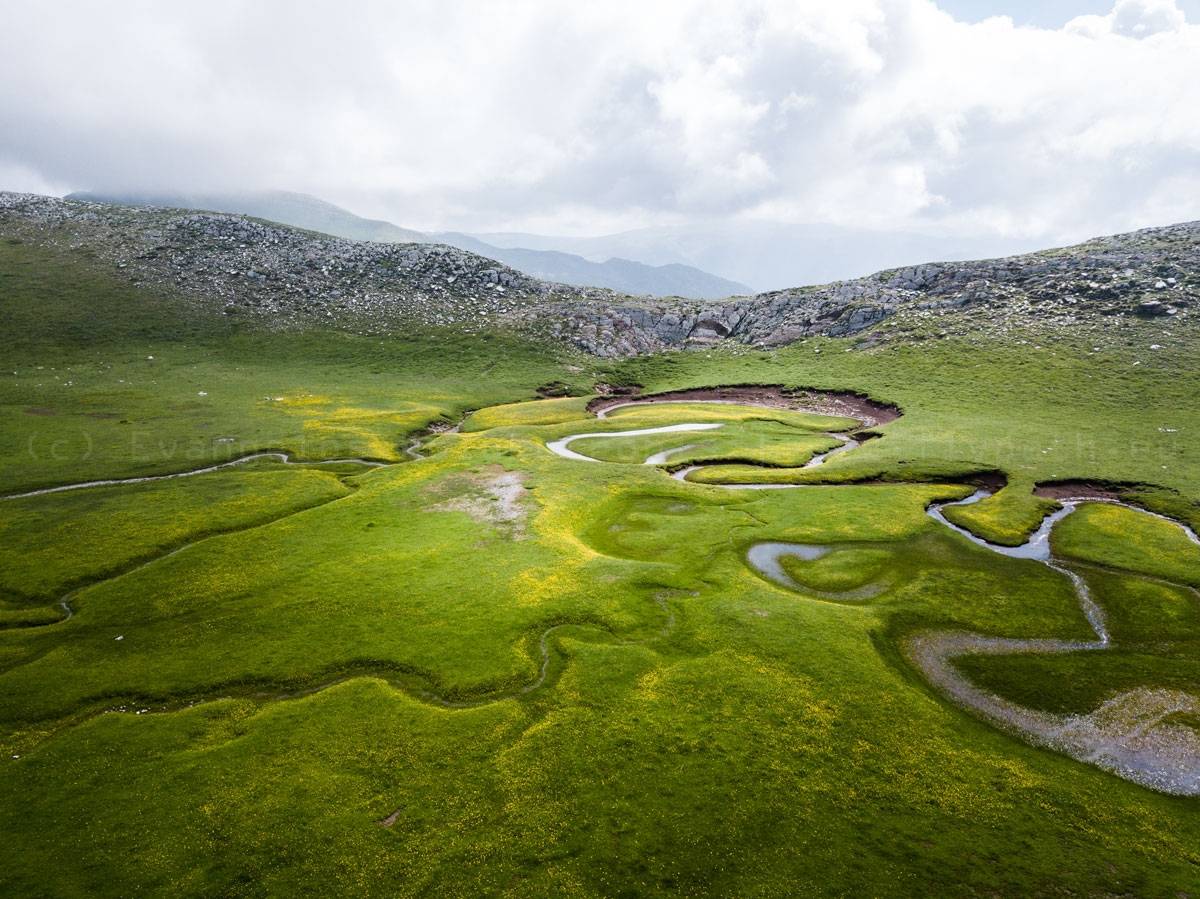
x,y
591,117
20,178
1132,18
1142,18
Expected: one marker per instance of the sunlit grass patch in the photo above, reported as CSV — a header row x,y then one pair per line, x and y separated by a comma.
x,y
366,433
52,542
1121,538
845,468
844,568
1006,518
538,412
838,514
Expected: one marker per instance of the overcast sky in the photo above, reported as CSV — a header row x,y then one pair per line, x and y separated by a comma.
x,y
1058,119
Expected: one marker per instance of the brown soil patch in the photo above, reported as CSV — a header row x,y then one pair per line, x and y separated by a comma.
x,y
994,481
41,411
1076,490
553,390
847,405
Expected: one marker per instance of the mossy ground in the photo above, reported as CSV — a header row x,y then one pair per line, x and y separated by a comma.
x,y
274,692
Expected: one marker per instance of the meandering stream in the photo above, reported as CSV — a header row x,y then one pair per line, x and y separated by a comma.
x,y
559,447
1132,735
64,602
283,458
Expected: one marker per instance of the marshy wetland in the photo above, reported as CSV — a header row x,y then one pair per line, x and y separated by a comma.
x,y
403,647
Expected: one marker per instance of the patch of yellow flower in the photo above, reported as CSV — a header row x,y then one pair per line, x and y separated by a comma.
x,y
538,412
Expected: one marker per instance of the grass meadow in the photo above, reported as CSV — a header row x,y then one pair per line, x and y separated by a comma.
x,y
482,669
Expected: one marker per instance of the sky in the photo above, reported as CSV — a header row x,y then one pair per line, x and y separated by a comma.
x,y
1054,120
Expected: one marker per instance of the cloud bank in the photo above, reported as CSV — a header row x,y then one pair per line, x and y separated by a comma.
x,y
585,118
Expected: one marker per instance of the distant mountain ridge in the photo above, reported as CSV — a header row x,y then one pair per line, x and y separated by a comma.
x,y
312,214
772,256
615,273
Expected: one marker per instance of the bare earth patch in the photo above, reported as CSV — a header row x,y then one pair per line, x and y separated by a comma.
x,y
847,405
494,496
1076,490
391,819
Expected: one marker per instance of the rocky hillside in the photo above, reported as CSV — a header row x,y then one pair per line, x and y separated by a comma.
x,y
283,206
285,276
311,214
290,278
1149,273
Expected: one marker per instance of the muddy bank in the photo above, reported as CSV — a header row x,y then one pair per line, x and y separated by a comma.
x,y
1078,490
993,481
844,404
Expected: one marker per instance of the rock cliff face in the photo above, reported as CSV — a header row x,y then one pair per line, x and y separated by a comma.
x,y
289,278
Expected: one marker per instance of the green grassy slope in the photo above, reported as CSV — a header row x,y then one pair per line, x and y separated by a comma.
x,y
495,671
101,379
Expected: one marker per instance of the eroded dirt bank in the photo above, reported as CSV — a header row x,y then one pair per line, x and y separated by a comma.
x,y
1074,489
840,403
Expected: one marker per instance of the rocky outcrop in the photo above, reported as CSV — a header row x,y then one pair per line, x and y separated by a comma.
x,y
288,277
1155,272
